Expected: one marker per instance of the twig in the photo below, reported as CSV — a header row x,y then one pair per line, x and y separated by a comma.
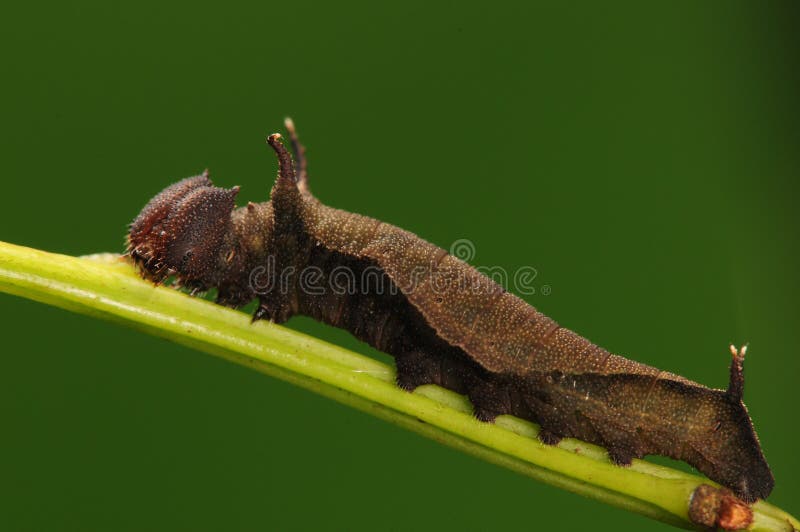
x,y
107,287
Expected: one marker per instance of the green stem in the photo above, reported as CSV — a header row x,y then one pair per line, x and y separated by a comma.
x,y
106,286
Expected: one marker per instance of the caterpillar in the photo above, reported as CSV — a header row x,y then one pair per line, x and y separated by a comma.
x,y
443,322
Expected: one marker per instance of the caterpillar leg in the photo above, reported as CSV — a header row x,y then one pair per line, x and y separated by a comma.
x,y
622,454
546,417
622,446
489,399
418,366
415,368
530,401
276,310
488,395
548,437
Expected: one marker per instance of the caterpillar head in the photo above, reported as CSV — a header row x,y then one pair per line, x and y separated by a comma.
x,y
184,231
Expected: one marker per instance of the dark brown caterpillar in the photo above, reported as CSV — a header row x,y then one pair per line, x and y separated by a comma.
x,y
443,321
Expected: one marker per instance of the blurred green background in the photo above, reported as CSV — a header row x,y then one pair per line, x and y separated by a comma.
x,y
643,158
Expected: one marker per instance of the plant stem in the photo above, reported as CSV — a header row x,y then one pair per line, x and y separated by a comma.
x,y
107,287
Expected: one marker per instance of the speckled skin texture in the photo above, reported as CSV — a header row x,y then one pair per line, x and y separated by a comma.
x,y
443,321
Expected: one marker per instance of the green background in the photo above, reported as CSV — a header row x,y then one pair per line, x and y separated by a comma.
x,y
643,158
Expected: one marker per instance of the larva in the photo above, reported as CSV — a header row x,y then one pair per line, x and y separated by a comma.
x,y
443,321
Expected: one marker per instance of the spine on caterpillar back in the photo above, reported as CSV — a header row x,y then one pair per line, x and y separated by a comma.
x,y
443,321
